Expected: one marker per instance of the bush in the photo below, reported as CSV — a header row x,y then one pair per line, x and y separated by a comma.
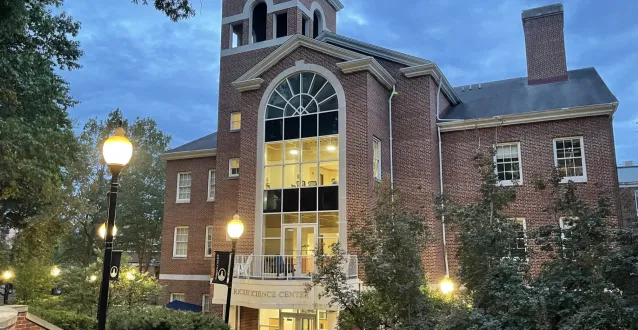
x,y
159,318
65,320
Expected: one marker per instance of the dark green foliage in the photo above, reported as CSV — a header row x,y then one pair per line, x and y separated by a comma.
x,y
65,319
36,135
159,318
390,244
175,9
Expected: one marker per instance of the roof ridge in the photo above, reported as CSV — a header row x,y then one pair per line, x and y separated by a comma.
x,y
515,78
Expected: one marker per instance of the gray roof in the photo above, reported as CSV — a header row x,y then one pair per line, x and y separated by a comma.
x,y
203,143
515,96
628,175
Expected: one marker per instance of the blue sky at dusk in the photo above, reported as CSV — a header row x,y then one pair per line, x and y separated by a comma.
x,y
136,59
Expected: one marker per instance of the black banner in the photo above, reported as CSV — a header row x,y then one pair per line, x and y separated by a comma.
x,y
114,272
222,265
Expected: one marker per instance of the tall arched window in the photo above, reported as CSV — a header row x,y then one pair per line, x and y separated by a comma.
x,y
301,169
260,13
317,24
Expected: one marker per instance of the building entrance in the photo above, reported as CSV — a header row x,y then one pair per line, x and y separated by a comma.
x,y
294,321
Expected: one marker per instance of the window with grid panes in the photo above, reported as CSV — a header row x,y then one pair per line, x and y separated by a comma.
x,y
566,225
178,296
206,303
184,186
508,163
235,121
569,157
518,246
376,158
211,185
208,252
301,160
233,167
180,242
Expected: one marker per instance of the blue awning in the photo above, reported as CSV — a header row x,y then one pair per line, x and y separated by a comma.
x,y
182,306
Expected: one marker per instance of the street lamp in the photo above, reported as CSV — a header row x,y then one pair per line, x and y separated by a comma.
x,y
235,229
447,286
55,272
8,287
102,230
117,152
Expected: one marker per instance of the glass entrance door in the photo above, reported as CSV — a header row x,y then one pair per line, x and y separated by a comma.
x,y
294,321
299,246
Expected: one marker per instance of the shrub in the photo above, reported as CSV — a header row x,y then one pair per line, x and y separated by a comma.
x,y
65,320
159,318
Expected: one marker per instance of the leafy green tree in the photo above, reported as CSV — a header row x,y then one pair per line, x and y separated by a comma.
x,y
175,9
141,196
389,244
493,279
36,135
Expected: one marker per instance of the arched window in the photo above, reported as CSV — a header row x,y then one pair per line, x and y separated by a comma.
x,y
317,24
260,13
301,169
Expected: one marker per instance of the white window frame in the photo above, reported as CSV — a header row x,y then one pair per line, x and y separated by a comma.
x,y
208,242
520,165
175,255
206,303
376,158
173,294
233,121
521,220
212,178
582,178
230,168
183,200
563,227
636,200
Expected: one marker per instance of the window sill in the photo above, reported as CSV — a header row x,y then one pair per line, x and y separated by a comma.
x,y
233,177
574,179
508,183
210,200
235,130
183,201
179,258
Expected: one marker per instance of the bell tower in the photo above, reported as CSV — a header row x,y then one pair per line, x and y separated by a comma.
x,y
254,24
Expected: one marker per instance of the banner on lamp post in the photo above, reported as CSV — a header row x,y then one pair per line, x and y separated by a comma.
x,y
114,271
222,267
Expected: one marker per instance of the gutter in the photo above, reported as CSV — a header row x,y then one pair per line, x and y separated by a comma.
x,y
392,95
189,154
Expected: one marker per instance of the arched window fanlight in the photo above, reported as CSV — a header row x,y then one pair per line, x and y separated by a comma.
x,y
301,94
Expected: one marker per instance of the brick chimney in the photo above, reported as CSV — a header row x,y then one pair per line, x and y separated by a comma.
x,y
545,44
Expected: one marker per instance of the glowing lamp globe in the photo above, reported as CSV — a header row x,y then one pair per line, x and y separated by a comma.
x,y
235,228
93,278
117,149
447,286
55,271
7,275
102,231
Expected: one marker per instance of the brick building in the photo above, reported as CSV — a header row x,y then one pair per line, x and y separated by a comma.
x,y
309,122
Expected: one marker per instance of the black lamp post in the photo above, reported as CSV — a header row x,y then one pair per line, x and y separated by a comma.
x,y
7,287
117,152
235,229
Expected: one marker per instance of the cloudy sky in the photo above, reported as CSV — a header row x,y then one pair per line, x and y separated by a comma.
x,y
138,60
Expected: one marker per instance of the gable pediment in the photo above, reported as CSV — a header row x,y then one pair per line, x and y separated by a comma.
x,y
353,62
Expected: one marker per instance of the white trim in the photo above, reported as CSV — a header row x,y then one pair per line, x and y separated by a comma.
x,y
371,65
275,23
259,191
315,6
245,14
230,168
214,177
507,183
376,142
240,40
249,80
431,69
184,200
232,121
254,46
189,154
529,117
184,277
206,297
177,293
206,241
581,178
42,323
175,242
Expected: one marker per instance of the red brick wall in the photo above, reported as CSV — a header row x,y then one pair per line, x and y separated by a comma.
x,y
545,48
248,318
461,180
196,215
24,324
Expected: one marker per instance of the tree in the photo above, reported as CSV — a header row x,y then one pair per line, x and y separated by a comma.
x,y
390,244
141,196
494,279
36,136
175,9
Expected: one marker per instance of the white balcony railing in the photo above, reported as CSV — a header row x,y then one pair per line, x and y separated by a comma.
x,y
288,267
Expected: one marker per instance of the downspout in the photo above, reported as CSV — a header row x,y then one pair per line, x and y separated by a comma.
x,y
394,93
438,119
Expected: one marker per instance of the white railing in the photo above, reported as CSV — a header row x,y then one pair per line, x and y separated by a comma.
x,y
286,267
